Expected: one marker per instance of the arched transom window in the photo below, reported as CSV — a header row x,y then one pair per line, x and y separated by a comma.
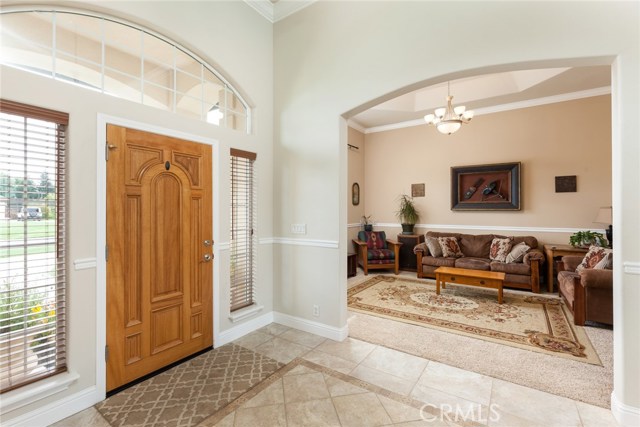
x,y
120,59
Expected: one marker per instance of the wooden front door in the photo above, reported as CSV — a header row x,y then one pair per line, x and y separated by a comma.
x,y
159,252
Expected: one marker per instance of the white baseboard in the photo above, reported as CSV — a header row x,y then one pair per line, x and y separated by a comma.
x,y
625,415
56,411
243,329
331,332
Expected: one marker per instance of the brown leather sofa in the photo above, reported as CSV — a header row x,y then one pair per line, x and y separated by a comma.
x,y
522,275
588,294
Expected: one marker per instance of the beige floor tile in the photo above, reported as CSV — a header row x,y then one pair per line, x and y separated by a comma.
x,y
509,420
383,379
451,407
227,421
90,417
534,405
396,363
299,370
272,395
337,387
361,410
253,339
349,349
263,416
399,412
330,361
302,337
423,423
595,416
281,350
298,388
274,329
459,382
312,413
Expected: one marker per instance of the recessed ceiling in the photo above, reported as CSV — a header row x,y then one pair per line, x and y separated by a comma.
x,y
489,91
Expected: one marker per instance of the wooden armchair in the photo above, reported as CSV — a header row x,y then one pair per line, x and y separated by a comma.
x,y
375,251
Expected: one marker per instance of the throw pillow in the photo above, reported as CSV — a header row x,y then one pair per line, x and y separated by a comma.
x,y
500,248
376,239
605,263
450,247
434,246
517,253
592,258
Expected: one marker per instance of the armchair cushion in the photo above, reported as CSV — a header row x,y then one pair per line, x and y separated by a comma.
x,y
374,239
380,254
592,278
592,258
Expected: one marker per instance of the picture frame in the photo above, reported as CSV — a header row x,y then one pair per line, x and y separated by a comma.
x,y
489,187
355,194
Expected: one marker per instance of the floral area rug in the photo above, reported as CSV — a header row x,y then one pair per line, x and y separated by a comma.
x,y
533,322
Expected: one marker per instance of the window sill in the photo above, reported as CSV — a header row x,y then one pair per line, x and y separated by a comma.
x,y
244,313
39,390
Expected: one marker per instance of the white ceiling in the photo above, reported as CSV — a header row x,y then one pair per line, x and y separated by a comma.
x,y
490,93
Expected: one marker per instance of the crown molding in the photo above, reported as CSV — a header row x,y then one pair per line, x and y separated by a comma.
x,y
274,12
357,126
497,108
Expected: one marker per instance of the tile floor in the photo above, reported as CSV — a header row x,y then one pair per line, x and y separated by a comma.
x,y
305,396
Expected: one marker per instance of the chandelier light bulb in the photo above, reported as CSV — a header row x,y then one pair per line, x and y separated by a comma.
x,y
448,120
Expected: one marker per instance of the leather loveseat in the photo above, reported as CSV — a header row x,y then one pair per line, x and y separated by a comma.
x,y
524,274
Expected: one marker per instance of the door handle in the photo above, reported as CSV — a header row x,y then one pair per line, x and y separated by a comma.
x,y
208,257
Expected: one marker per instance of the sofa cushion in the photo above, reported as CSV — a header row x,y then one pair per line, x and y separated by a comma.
x,y
511,268
385,254
593,257
606,263
374,239
433,245
450,247
500,248
438,262
517,253
476,246
473,263
566,285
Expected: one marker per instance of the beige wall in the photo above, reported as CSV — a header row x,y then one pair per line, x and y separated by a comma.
x,y
567,138
356,174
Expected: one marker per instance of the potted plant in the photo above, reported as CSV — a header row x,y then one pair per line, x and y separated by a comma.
x,y
587,238
367,225
407,214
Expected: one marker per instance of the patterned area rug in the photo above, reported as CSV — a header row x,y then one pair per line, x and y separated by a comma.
x,y
533,322
190,392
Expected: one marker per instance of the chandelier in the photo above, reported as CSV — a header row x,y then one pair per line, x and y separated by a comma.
x,y
448,119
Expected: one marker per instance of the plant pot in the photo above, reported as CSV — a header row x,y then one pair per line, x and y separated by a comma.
x,y
407,228
368,227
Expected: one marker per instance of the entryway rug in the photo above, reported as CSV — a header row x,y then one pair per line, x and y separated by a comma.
x,y
188,393
538,323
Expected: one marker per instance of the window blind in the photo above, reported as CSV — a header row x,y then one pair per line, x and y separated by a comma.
x,y
242,243
32,244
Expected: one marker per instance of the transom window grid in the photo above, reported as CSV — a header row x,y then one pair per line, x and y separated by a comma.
x,y
120,59
32,244
243,223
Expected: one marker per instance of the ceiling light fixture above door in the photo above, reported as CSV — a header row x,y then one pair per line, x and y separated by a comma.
x,y
448,119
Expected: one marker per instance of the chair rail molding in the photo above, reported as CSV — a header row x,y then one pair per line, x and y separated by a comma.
x,y
631,267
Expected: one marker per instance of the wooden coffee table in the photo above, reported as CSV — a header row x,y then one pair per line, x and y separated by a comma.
x,y
463,276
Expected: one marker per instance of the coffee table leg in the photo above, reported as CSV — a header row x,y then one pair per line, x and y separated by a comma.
x,y
500,295
437,284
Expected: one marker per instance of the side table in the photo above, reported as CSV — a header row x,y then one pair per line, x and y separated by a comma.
x,y
352,265
407,257
552,252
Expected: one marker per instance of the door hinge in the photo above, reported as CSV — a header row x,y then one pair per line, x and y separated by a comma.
x,y
106,353
106,253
